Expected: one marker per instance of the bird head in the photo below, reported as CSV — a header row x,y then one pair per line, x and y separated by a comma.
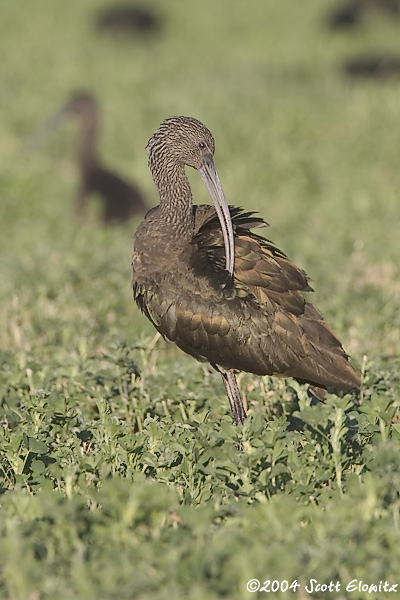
x,y
80,103
181,141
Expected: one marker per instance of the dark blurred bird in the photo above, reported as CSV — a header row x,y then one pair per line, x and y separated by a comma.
x,y
373,67
352,12
222,293
128,19
121,199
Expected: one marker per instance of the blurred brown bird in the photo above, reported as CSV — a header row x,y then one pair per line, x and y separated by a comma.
x,y
222,293
379,66
121,198
352,12
128,19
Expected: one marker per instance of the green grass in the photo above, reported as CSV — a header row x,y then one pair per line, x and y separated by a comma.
x,y
120,474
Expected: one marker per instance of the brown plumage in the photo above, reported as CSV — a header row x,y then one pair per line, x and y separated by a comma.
x,y
373,67
255,320
352,12
121,198
128,20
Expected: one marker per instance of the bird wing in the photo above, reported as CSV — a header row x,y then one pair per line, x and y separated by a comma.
x,y
261,269
259,323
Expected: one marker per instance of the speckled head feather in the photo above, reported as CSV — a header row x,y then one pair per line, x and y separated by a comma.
x,y
180,140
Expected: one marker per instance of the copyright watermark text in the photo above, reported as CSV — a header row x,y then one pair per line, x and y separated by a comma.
x,y
313,586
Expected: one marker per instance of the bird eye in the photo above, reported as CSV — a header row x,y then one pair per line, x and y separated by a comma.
x,y
202,145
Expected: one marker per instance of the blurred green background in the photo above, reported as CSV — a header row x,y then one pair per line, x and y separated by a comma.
x,y
128,486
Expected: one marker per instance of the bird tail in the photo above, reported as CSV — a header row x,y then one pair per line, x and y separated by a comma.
x,y
327,363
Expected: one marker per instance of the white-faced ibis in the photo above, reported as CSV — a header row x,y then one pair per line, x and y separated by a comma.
x,y
352,12
255,320
121,199
373,67
128,19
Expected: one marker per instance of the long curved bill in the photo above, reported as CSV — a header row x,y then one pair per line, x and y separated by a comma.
x,y
41,133
211,180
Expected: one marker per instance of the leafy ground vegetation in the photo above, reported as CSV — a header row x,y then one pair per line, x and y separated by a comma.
x,y
120,472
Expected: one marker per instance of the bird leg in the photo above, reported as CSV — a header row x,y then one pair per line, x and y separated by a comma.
x,y
232,391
